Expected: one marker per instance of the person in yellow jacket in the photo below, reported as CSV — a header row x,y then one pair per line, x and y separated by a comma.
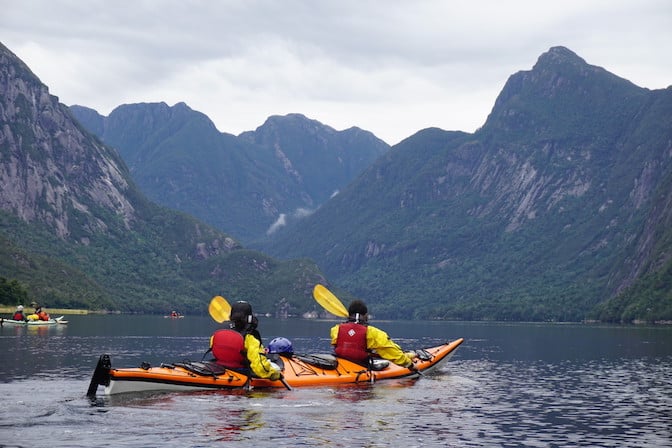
x,y
239,347
357,341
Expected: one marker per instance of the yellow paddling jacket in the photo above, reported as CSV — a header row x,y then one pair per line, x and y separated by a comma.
x,y
379,342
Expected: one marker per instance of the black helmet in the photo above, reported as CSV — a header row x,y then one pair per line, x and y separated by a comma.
x,y
241,313
357,311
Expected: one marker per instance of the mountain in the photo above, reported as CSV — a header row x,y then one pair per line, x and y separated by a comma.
x,y
558,208
247,185
76,231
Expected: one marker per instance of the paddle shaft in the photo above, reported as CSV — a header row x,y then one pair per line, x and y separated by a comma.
x,y
284,382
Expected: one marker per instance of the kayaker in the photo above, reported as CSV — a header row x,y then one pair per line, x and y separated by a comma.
x,y
18,314
39,312
239,347
358,341
38,308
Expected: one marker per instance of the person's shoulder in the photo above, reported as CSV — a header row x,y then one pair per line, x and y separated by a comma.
x,y
373,328
253,336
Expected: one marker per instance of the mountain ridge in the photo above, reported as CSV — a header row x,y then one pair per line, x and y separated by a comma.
x,y
245,185
77,232
563,138
556,209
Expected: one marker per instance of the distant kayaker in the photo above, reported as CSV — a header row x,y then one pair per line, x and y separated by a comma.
x,y
39,312
18,314
37,307
239,347
36,314
358,341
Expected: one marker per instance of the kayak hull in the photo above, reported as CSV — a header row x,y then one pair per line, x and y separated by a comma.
x,y
298,371
171,380
32,323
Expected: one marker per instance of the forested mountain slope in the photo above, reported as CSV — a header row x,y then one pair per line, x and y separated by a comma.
x,y
76,231
555,209
245,185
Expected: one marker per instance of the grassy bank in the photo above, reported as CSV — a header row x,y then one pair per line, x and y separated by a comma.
x,y
51,311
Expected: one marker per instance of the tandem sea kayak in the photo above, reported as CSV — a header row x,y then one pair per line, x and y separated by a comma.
x,y
30,323
311,370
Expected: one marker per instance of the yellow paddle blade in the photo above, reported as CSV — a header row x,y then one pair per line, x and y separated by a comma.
x,y
329,301
219,309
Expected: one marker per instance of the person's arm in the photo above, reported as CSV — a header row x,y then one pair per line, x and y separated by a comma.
x,y
334,334
379,341
259,364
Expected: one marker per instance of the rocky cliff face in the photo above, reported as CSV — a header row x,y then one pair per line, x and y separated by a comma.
x,y
77,231
320,159
586,148
52,171
245,185
557,203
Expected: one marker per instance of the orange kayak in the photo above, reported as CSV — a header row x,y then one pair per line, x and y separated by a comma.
x,y
312,370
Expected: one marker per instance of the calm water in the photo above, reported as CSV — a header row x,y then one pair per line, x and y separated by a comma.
x,y
507,385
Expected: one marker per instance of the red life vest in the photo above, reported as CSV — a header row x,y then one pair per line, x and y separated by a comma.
x,y
18,316
228,348
43,315
351,342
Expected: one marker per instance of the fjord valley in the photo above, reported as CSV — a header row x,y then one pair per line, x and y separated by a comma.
x,y
557,209
77,232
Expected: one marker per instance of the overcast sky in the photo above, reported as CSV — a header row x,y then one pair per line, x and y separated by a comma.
x,y
390,67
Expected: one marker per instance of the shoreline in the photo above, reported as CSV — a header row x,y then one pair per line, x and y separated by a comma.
x,y
54,311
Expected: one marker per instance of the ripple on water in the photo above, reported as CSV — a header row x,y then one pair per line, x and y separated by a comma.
x,y
469,402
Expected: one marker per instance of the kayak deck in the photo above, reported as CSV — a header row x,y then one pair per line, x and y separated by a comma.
x,y
298,371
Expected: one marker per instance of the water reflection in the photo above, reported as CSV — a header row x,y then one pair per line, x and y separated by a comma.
x,y
238,421
354,393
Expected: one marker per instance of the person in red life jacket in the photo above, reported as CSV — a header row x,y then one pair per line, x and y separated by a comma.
x,y
239,347
357,341
18,314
